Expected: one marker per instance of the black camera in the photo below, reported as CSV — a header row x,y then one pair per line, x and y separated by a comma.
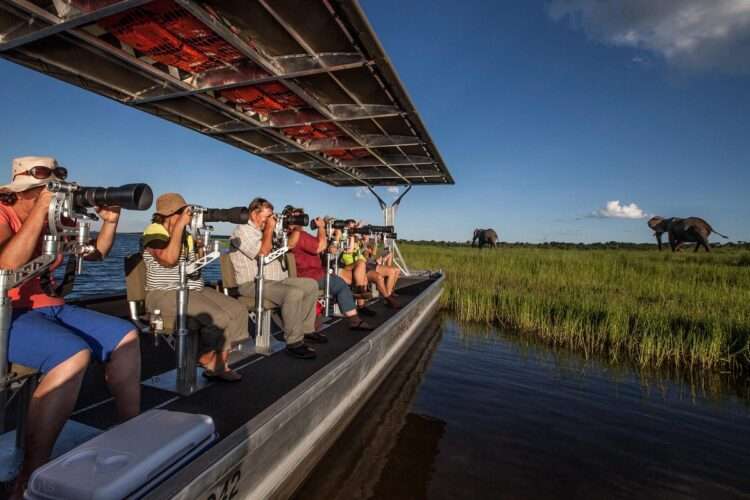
x,y
234,215
129,196
335,223
370,229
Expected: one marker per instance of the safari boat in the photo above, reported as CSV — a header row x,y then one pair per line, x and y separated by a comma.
x,y
306,85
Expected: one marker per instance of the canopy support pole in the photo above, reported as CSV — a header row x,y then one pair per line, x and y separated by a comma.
x,y
389,219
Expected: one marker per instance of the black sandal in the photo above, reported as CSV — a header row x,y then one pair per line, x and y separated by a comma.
x,y
225,376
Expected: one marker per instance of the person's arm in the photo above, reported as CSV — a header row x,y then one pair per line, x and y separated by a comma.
x,y
293,239
16,250
320,223
110,217
169,254
267,244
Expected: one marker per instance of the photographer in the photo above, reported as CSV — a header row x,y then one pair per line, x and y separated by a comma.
x,y
307,250
55,338
381,271
361,255
295,296
353,269
223,320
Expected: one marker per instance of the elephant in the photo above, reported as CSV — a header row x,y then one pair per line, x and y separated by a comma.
x,y
680,231
485,237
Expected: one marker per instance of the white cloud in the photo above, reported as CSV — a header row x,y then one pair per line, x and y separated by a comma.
x,y
693,34
361,192
393,189
615,210
299,183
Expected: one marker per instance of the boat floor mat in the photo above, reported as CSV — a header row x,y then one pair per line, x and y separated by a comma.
x,y
265,379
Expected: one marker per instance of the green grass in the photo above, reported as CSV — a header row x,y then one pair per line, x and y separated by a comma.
x,y
685,310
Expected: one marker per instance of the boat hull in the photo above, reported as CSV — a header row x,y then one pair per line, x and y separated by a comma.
x,y
271,455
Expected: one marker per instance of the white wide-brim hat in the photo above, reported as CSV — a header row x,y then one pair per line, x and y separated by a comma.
x,y
21,181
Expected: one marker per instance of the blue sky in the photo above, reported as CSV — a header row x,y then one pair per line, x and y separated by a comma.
x,y
544,112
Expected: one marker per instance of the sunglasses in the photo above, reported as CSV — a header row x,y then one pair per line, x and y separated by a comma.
x,y
42,173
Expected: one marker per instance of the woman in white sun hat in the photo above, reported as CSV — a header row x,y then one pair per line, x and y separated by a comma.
x,y
49,335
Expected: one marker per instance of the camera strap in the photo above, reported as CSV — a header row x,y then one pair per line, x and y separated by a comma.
x,y
65,286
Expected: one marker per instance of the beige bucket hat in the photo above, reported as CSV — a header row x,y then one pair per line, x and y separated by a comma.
x,y
21,180
169,203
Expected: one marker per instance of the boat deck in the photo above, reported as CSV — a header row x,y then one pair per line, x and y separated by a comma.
x,y
231,405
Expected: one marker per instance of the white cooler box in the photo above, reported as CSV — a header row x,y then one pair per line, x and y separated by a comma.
x,y
126,461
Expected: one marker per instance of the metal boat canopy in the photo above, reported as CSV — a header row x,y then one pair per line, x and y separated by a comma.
x,y
303,83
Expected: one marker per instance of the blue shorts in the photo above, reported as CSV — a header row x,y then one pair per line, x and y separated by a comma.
x,y
43,338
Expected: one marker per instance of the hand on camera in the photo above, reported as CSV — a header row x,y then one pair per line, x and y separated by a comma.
x,y
270,224
44,199
109,214
185,217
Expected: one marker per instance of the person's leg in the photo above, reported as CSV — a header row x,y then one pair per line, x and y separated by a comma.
x,y
344,297
360,274
309,288
223,315
113,341
379,280
290,299
391,275
123,375
233,318
51,405
37,341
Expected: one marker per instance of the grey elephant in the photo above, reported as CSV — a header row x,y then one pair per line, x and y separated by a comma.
x,y
484,237
681,231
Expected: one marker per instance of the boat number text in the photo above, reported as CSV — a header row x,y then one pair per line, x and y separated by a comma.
x,y
227,489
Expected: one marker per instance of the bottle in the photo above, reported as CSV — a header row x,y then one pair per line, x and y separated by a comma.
x,y
157,322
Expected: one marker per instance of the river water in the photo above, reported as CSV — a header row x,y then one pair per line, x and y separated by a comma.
x,y
473,412
108,277
480,413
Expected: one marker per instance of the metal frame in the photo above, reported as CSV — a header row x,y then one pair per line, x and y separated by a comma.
x,y
292,69
389,219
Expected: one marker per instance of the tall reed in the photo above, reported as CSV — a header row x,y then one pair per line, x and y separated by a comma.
x,y
690,310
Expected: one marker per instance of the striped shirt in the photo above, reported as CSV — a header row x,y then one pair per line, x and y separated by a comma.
x,y
159,277
246,240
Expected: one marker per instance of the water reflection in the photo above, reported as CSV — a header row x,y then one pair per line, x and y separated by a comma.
x,y
484,414
383,437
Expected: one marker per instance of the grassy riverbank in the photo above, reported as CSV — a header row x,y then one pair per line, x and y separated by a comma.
x,y
690,310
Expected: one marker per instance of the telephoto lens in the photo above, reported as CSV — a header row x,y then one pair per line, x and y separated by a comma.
x,y
296,220
234,215
129,197
369,229
342,224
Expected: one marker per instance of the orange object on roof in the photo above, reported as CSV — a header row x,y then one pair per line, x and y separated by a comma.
x,y
171,35
317,131
264,98
347,154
